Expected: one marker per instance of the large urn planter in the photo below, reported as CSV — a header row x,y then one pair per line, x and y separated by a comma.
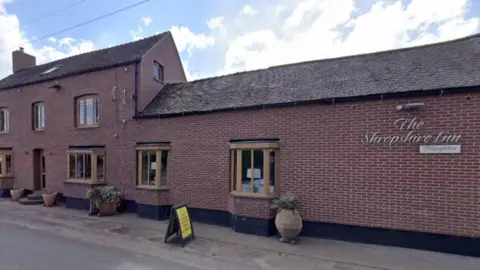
x,y
49,198
288,221
104,200
16,193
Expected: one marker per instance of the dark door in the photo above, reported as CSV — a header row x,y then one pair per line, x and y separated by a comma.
x,y
38,169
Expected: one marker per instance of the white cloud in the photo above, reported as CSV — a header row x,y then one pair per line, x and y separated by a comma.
x,y
248,10
214,23
136,34
191,76
13,37
147,21
311,29
187,40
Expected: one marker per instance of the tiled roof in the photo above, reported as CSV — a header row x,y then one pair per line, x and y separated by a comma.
x,y
95,60
451,64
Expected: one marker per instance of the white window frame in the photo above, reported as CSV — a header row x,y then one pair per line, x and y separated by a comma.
x,y
38,114
6,121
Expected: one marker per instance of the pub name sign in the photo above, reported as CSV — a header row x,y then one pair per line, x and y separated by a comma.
x,y
410,127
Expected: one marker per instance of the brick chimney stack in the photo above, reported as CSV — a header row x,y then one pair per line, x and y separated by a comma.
x,y
22,60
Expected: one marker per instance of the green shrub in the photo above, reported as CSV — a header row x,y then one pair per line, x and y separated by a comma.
x,y
286,201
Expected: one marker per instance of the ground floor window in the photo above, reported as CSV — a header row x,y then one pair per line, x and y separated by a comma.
x,y
254,167
86,165
152,166
6,164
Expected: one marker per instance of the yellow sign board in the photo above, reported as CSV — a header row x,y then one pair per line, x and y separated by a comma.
x,y
184,220
180,224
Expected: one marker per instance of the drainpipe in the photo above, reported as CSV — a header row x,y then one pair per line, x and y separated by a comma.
x,y
135,91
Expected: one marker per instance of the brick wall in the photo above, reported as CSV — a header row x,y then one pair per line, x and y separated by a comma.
x,y
336,177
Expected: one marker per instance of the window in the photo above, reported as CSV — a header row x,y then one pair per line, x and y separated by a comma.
x,y
4,120
254,168
153,166
87,111
86,165
6,164
51,69
158,71
38,116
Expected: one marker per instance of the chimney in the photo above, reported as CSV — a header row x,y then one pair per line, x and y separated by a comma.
x,y
22,60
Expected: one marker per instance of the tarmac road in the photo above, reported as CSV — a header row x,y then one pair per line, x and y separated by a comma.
x,y
25,249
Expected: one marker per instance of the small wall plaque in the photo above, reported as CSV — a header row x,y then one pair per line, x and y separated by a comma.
x,y
440,149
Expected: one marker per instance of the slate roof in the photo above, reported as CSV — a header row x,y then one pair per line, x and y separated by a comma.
x,y
95,60
451,64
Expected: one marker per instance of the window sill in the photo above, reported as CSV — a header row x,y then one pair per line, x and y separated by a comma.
x,y
39,130
158,80
6,176
3,132
87,127
83,182
152,188
253,195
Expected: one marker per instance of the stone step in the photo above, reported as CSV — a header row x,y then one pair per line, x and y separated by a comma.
x,y
36,195
28,201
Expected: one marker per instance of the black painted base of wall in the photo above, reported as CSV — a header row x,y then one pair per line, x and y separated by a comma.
x,y
5,193
408,239
76,203
214,217
256,226
156,212
127,206
266,227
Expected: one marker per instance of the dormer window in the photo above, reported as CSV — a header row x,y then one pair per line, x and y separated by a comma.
x,y
158,71
50,69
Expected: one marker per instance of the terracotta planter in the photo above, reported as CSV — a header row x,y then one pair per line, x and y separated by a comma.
x,y
289,224
107,209
16,194
49,199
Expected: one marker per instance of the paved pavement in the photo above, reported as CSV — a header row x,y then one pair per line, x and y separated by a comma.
x,y
214,247
25,249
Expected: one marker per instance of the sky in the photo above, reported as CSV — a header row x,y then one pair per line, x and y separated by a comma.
x,y
217,37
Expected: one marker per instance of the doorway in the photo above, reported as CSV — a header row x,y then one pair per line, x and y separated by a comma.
x,y
39,172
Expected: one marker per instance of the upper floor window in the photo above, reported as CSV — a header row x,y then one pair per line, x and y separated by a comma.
x,y
158,71
4,120
87,111
153,166
6,164
86,165
38,116
254,168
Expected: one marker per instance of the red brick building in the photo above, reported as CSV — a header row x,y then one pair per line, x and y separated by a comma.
x,y
379,148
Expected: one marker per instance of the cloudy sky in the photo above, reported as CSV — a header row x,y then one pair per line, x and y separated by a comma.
x,y
218,37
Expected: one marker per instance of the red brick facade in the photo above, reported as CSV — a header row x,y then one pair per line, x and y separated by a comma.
x,y
322,159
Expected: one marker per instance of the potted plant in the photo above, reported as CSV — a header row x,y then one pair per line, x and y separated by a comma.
x,y
104,200
49,198
16,193
288,220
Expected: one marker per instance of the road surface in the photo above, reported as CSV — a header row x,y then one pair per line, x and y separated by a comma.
x,y
25,249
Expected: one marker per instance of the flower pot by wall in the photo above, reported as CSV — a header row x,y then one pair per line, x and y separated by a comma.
x,y
107,209
288,223
49,199
16,194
